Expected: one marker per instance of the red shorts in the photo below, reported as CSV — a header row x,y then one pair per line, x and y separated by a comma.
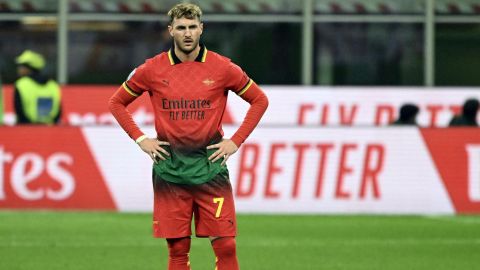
x,y
211,204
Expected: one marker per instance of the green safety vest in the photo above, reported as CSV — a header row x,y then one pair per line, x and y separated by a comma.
x,y
40,102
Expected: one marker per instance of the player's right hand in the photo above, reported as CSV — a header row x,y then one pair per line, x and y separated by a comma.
x,y
154,149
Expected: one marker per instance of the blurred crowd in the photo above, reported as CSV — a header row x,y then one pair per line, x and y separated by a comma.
x,y
37,98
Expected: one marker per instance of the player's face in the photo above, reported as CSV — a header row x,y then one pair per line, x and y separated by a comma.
x,y
186,33
23,71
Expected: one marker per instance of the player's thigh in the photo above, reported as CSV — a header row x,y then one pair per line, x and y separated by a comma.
x,y
172,209
215,208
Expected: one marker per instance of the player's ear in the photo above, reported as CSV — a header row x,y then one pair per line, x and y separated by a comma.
x,y
201,28
170,29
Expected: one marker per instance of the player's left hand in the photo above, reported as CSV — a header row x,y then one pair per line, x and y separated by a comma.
x,y
226,148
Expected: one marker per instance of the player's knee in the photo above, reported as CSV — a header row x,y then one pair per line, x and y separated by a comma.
x,y
225,246
179,246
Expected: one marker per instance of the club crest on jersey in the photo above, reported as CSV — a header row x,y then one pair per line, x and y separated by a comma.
x,y
165,82
208,82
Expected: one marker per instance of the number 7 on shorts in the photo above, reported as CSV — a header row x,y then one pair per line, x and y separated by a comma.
x,y
220,204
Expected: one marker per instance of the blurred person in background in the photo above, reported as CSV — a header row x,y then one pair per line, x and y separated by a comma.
x,y
188,87
468,117
407,115
37,98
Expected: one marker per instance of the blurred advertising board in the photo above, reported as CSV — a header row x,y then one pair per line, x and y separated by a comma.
x,y
289,106
316,170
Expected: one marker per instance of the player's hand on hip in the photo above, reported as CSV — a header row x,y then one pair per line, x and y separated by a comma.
x,y
225,149
154,149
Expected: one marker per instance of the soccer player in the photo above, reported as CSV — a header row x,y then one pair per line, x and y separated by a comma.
x,y
188,87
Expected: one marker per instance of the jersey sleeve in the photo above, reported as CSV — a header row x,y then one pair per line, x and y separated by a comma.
x,y
258,105
118,107
138,81
237,80
242,85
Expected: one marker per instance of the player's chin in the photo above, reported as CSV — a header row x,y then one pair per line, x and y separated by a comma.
x,y
188,48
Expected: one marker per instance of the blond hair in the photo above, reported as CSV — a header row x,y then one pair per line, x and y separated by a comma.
x,y
185,10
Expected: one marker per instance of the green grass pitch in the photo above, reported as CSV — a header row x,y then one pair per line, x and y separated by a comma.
x,y
73,240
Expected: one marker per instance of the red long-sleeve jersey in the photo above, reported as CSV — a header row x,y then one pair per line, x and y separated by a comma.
x,y
189,99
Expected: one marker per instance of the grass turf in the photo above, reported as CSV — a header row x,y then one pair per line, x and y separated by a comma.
x,y
72,240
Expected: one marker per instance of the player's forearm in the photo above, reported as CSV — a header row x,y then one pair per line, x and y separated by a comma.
x,y
118,107
258,105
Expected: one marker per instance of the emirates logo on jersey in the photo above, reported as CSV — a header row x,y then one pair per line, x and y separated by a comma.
x,y
208,82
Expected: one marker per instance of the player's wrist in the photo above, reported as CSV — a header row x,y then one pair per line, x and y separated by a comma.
x,y
140,139
237,140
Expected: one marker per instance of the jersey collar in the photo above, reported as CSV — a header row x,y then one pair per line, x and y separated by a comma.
x,y
202,55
